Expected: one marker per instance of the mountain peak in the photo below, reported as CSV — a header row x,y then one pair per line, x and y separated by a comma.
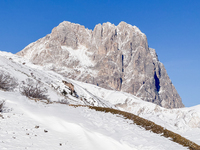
x,y
124,24
112,57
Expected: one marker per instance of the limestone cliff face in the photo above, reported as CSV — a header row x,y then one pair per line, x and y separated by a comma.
x,y
112,57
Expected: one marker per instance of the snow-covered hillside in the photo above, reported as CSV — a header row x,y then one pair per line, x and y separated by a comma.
x,y
22,70
184,121
31,125
51,124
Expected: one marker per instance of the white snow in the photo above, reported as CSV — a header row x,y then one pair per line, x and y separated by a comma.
x,y
52,81
184,121
80,54
70,128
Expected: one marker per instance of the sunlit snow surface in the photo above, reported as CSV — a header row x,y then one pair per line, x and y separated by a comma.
x,y
70,128
80,55
184,121
81,128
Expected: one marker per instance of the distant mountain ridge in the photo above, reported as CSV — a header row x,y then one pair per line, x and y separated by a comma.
x,y
112,57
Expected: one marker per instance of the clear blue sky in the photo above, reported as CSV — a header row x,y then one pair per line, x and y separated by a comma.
x,y
172,28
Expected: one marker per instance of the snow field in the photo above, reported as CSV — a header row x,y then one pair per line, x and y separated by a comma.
x,y
66,127
183,121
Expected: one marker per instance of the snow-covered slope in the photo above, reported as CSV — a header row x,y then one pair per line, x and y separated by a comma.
x,y
184,121
21,69
27,124
31,125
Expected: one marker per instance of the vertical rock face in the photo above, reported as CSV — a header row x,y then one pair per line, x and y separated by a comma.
x,y
112,57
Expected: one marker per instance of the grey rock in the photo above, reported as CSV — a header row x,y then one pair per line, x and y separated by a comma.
x,y
112,57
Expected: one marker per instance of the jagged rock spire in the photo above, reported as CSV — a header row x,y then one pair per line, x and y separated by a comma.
x,y
112,57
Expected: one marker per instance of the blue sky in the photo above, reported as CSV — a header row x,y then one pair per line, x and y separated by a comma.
x,y
172,28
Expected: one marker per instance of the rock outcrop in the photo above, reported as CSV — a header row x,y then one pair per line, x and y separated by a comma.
x,y
112,57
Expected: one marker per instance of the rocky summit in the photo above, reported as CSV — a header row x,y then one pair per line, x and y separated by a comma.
x,y
112,57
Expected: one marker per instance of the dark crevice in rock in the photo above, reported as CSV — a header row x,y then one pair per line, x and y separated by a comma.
x,y
157,82
122,63
121,81
131,48
115,35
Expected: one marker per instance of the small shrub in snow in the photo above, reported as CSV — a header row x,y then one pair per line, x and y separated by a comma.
x,y
7,82
34,89
64,92
1,105
45,131
63,101
37,127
